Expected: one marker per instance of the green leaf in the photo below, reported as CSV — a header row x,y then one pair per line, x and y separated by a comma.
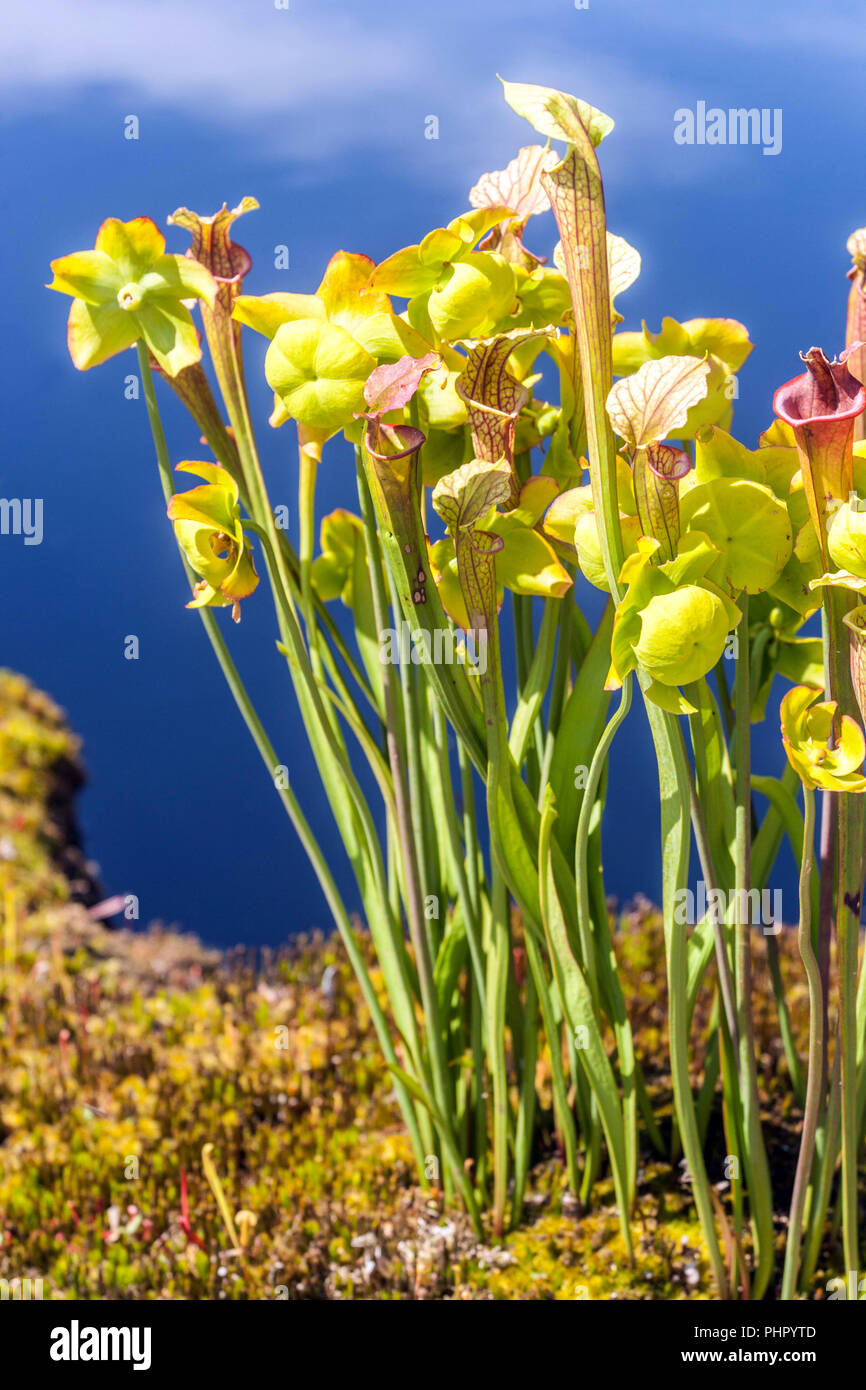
x,y
801,661
580,1013
556,114
464,496
653,405
416,1091
676,844
390,456
450,959
658,470
580,728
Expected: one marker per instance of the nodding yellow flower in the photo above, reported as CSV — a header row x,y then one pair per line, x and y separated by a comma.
x,y
825,749
207,522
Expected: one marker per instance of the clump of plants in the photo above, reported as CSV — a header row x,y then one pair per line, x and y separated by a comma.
x,y
436,365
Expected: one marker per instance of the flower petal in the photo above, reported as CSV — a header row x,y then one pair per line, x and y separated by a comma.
x,y
267,312
167,328
133,246
97,332
527,564
88,275
179,277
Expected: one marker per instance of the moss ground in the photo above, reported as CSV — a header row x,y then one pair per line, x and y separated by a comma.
x,y
123,1053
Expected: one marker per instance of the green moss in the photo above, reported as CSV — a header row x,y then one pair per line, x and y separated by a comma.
x,y
114,1075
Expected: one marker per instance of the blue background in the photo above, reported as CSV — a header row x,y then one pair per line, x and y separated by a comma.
x,y
320,112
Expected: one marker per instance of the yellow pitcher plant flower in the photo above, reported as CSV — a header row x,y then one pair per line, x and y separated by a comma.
x,y
826,750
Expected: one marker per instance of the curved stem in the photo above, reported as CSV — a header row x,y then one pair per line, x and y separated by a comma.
x,y
760,1191
849,884
708,870
619,1016
814,1085
676,826
584,820
308,463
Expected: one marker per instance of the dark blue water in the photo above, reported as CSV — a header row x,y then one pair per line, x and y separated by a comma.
x,y
320,112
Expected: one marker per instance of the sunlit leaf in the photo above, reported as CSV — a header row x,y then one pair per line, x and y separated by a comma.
x,y
556,114
653,403
517,186
464,496
623,263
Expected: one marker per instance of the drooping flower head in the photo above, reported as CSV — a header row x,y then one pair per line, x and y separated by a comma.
x,y
207,523
825,749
